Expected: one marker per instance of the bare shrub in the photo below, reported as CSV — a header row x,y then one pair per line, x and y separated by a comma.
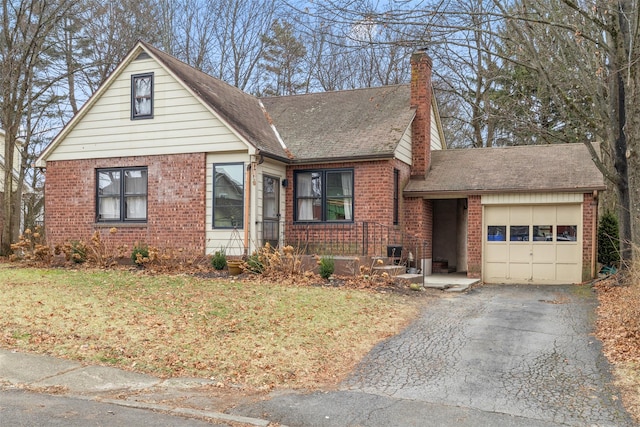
x,y
31,248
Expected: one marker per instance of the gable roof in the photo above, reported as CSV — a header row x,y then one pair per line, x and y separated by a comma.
x,y
348,124
242,112
544,168
352,124
239,109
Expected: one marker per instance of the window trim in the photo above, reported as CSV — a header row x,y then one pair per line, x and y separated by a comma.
x,y
122,195
213,196
134,77
323,195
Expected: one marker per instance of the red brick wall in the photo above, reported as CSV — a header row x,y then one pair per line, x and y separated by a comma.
x,y
175,206
373,202
589,235
474,236
373,188
421,93
419,222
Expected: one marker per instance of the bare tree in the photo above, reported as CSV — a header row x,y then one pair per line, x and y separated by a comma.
x,y
601,37
27,28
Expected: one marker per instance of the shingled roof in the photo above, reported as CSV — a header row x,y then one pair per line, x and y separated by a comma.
x,y
239,109
349,124
548,168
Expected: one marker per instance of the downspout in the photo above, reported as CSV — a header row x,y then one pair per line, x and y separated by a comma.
x,y
247,203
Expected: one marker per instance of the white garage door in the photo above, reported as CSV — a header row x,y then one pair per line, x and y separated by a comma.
x,y
539,244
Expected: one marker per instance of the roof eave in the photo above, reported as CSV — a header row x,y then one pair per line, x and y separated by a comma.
x,y
445,194
363,158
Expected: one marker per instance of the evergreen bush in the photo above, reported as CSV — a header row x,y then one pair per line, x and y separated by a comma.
x,y
608,240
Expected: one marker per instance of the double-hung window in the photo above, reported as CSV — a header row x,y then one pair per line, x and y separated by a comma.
x,y
324,195
142,96
121,194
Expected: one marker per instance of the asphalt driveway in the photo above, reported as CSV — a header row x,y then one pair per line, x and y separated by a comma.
x,y
496,356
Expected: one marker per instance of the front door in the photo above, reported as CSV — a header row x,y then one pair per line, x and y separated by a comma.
x,y
270,210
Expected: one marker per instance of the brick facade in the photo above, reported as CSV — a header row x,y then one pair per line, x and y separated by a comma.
x,y
419,222
175,205
474,236
421,93
589,235
373,183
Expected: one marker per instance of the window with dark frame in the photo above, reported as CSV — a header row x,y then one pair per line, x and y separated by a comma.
x,y
323,195
396,197
228,195
142,96
121,194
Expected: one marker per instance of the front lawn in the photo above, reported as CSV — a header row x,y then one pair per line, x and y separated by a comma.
x,y
249,333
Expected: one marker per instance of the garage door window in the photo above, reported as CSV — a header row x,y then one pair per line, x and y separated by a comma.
x,y
567,233
542,233
497,233
519,233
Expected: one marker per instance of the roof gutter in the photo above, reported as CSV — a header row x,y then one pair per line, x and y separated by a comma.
x,y
315,161
465,193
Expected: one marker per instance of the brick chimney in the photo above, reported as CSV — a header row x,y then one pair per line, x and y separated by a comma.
x,y
421,100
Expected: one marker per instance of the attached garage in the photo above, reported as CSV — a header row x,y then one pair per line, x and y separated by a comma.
x,y
529,213
533,243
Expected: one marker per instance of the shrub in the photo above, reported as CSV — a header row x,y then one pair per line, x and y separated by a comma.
x,y
608,240
31,247
255,263
78,252
219,260
140,254
327,266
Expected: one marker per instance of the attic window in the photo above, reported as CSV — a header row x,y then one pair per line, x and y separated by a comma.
x,y
142,96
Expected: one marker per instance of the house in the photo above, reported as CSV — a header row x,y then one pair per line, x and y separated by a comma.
x,y
173,157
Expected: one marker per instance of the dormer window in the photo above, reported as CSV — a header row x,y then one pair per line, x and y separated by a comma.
x,y
142,96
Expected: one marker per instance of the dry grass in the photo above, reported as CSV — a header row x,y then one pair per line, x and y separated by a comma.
x,y
262,335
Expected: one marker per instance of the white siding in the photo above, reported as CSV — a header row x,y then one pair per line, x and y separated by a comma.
x,y
403,151
276,170
233,241
180,123
531,198
436,142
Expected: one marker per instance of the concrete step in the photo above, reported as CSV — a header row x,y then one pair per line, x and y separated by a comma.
x,y
411,278
391,270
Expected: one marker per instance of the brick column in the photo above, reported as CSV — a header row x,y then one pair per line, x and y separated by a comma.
x,y
474,237
589,235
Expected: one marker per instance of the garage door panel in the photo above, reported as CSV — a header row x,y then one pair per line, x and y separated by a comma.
x,y
544,253
519,271
496,270
568,253
520,215
496,216
519,253
567,273
544,215
544,271
496,252
546,256
567,215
